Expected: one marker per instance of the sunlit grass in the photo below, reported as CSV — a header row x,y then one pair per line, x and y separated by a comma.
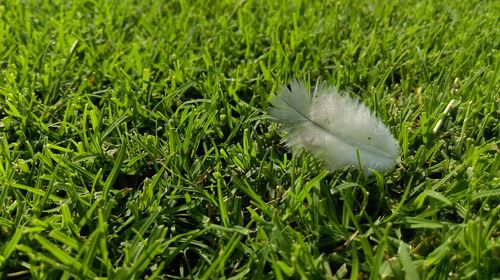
x,y
134,140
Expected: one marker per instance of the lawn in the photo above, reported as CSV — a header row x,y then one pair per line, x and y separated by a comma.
x,y
135,141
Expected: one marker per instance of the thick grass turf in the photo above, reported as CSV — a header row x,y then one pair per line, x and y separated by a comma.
x,y
134,140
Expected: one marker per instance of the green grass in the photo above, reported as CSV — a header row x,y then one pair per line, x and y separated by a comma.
x,y
134,140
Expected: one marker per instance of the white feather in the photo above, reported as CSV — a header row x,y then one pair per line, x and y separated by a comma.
x,y
334,127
